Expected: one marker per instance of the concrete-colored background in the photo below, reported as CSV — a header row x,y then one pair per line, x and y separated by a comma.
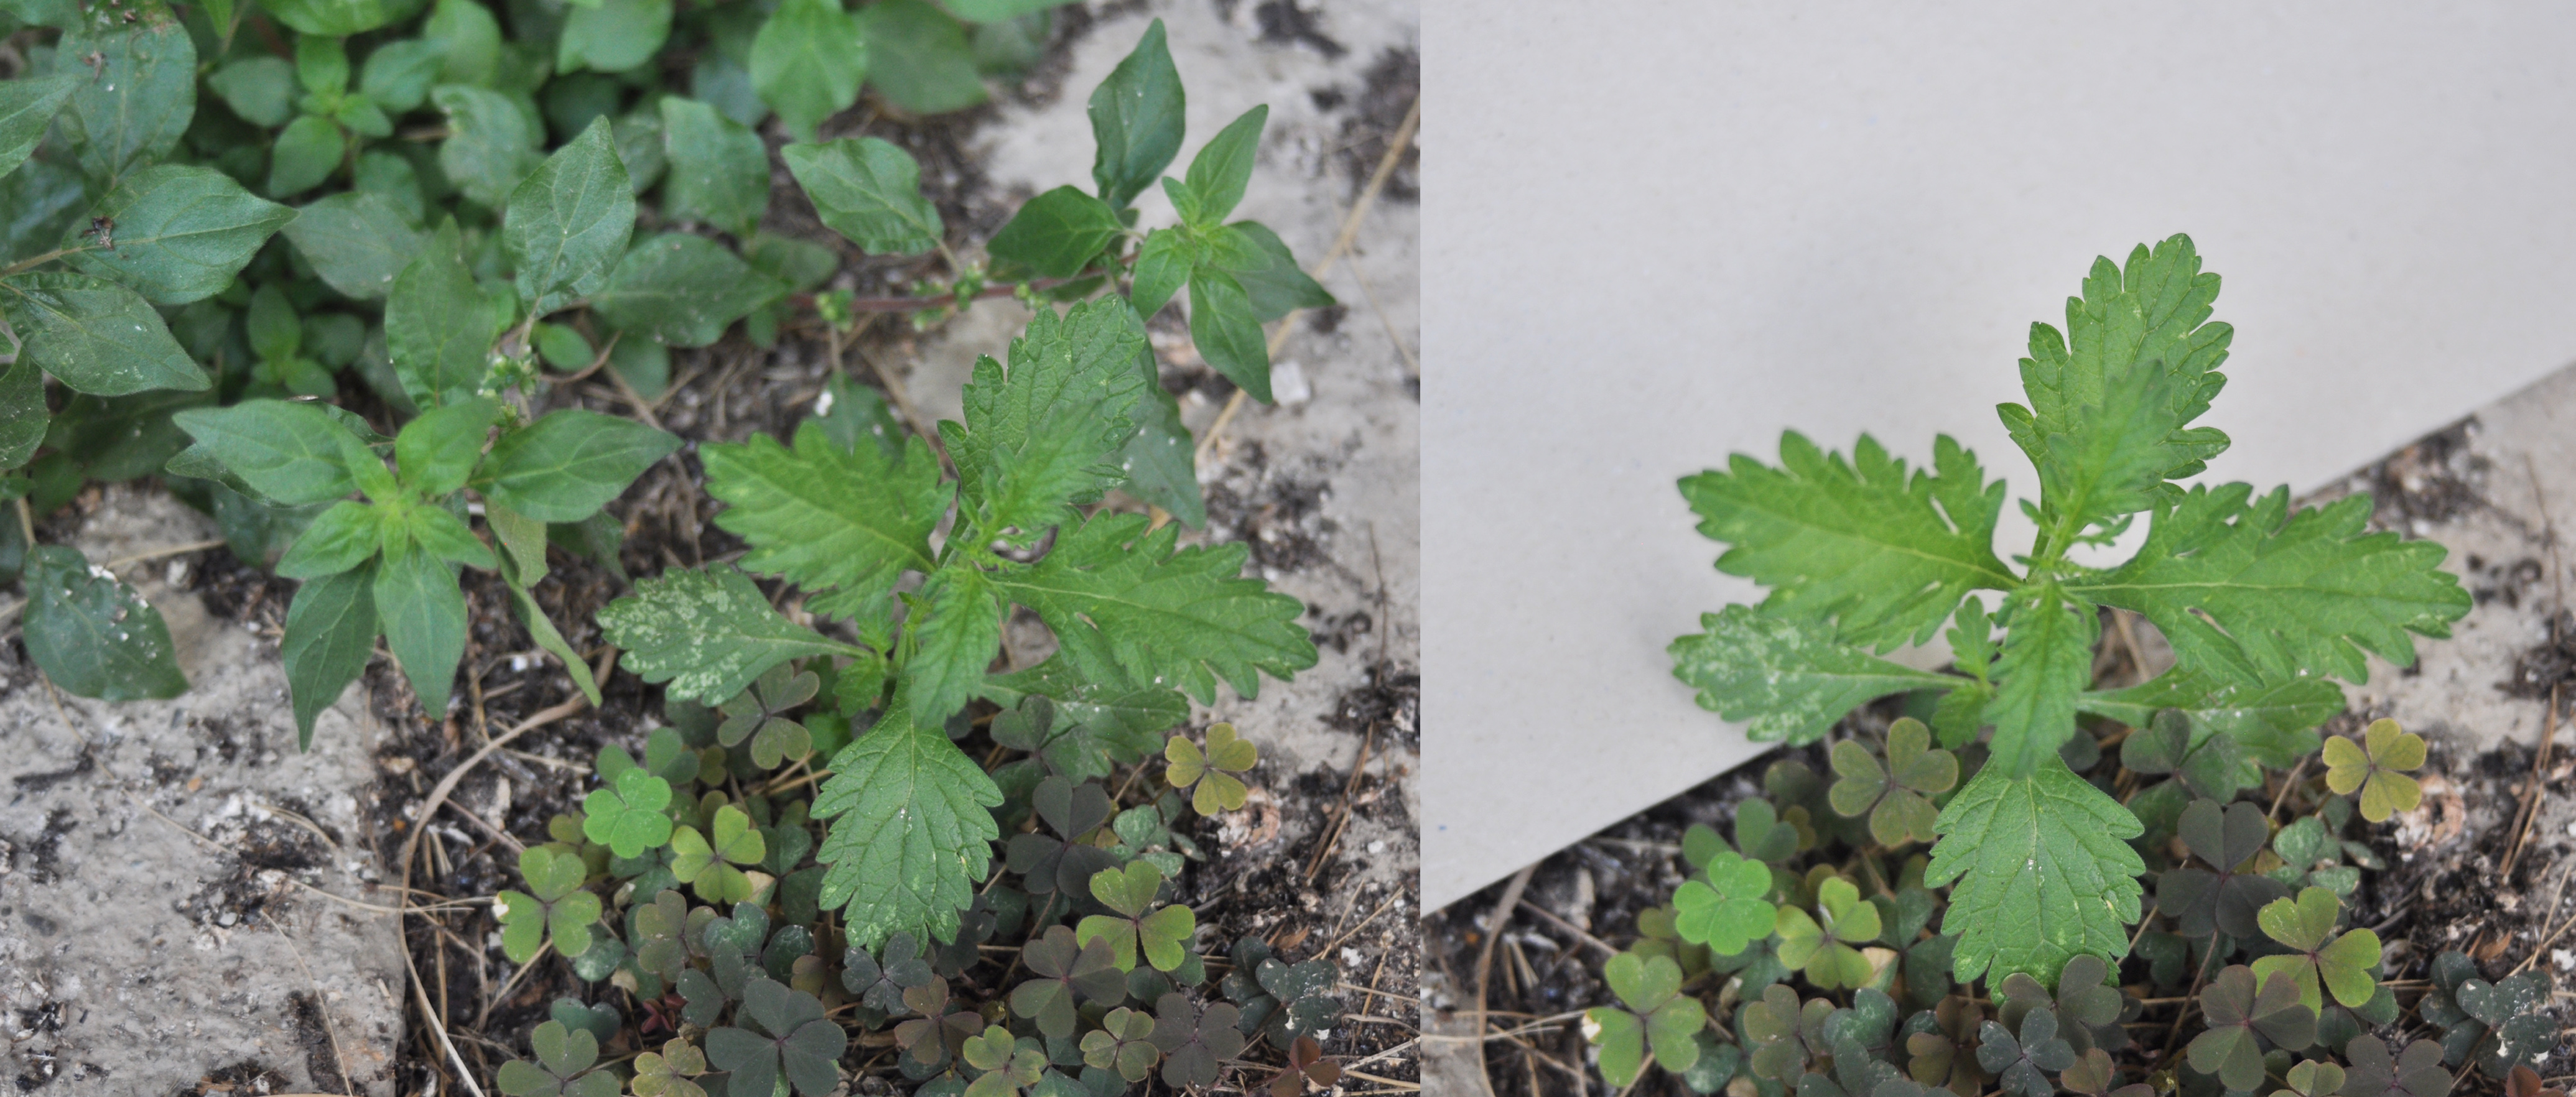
x,y
1666,231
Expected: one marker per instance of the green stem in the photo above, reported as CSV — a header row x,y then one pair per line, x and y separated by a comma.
x,y
40,260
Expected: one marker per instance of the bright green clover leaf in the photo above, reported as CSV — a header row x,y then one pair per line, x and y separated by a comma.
x,y
1657,1018
1163,934
709,865
1894,796
559,910
2375,766
2343,964
1215,772
666,1073
628,816
1728,911
1826,945
1009,1068
1123,1043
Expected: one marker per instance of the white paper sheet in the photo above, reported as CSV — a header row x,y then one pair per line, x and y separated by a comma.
x,y
1658,233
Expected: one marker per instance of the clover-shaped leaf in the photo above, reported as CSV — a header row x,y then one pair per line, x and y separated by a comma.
x,y
2373,1072
2510,1012
2094,1075
666,1073
1306,1063
659,926
2343,965
1826,945
2210,767
2236,1012
783,1032
1727,911
1194,1041
1894,796
559,909
1217,772
2201,901
709,865
1763,836
758,714
2376,767
1787,1034
563,1066
941,1029
627,815
2022,1062
2088,1011
1007,1067
1163,934
881,986
1064,862
1658,1019
2314,1078
1123,1043
2525,1082
1064,971
1301,995
1941,1051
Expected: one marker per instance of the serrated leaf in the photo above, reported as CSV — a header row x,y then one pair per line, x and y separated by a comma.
x,y
330,634
869,191
567,465
568,222
682,290
719,170
93,635
829,519
2271,720
912,832
956,627
1882,552
1180,618
1787,680
357,241
181,232
806,63
2042,872
1038,437
131,108
2111,401
96,336
2243,587
1136,120
708,633
27,106
2047,661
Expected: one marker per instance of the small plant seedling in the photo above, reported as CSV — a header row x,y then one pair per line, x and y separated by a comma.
x,y
1728,910
2226,900
2377,767
2023,1061
783,1035
1194,1041
2343,964
2238,1012
559,913
1217,771
627,816
1009,1068
669,1071
1894,796
564,1066
2374,1072
1065,973
1123,1043
1135,922
1828,945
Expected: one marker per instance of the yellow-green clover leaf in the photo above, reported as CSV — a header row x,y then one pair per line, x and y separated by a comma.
x,y
1727,911
1215,772
710,864
1163,934
1896,797
1826,945
2374,766
2342,965
558,908
1657,1018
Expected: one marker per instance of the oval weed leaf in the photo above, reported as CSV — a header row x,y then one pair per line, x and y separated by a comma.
x,y
93,635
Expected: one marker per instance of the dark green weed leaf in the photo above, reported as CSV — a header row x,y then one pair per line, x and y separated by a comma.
x,y
93,635
330,633
181,232
130,108
806,63
682,290
612,35
1161,934
27,106
719,170
1227,332
1223,166
357,241
95,336
554,909
918,57
1275,285
23,415
2416,1072
1065,972
291,453
2343,964
1136,120
707,633
339,18
423,615
568,222
866,190
439,326
567,465
304,155
1057,234
2024,852
490,145
1790,680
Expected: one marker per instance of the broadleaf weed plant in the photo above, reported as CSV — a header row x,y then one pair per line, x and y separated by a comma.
x,y
2013,952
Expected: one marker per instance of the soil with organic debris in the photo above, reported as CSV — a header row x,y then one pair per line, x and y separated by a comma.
x,y
1320,864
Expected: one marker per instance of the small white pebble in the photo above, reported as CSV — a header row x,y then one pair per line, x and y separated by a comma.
x,y
1378,846
1288,384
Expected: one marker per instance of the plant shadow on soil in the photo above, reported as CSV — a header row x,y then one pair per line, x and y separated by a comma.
x,y
1280,874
